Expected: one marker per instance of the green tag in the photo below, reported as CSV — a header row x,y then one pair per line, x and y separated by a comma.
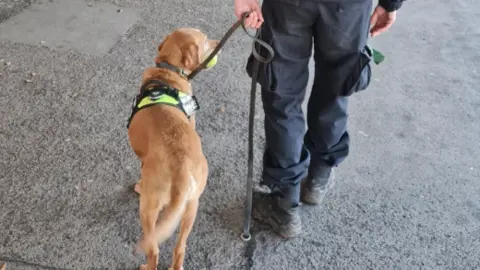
x,y
377,56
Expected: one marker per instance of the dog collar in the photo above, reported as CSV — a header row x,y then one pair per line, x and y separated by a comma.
x,y
173,68
157,92
211,63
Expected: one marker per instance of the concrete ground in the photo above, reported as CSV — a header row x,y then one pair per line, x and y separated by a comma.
x,y
406,198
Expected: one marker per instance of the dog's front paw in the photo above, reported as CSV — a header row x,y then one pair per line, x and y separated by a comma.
x,y
143,267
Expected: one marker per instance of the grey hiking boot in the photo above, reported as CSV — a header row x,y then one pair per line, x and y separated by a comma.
x,y
272,210
315,189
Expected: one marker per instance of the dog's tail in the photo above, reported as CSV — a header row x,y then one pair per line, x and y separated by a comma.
x,y
172,215
170,202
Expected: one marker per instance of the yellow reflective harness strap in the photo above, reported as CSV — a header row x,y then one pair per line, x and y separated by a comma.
x,y
162,99
163,94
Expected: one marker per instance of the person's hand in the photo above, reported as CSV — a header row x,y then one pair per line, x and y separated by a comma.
x,y
255,19
381,21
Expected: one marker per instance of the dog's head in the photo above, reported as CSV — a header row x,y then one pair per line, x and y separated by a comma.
x,y
186,48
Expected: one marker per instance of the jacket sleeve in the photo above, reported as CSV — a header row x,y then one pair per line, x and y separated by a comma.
x,y
391,5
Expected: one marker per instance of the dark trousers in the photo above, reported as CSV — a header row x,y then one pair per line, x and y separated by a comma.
x,y
337,30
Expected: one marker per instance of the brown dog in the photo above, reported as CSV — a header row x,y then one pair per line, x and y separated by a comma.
x,y
174,169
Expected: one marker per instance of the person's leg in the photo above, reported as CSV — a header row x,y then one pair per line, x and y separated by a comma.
x,y
288,28
341,68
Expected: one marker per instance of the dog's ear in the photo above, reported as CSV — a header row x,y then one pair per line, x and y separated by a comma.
x,y
190,57
160,47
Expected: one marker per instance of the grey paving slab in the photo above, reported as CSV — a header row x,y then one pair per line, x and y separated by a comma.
x,y
91,27
406,198
8,8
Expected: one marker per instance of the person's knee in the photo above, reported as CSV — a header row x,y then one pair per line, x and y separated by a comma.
x,y
328,123
327,112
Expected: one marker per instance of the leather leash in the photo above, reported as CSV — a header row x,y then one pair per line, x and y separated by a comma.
x,y
256,65
251,125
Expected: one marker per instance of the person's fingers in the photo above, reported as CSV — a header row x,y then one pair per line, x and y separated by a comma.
x,y
254,19
375,29
259,23
249,20
383,26
379,28
373,18
374,33
381,21
258,10
260,17
248,14
376,21
256,22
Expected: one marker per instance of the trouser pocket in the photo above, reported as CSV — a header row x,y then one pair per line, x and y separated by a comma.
x,y
360,73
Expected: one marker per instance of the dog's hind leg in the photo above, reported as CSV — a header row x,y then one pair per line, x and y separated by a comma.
x,y
186,226
149,210
150,246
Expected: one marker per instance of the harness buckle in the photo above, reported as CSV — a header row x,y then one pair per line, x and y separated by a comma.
x,y
190,104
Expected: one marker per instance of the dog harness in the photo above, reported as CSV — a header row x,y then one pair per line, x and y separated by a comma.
x,y
157,92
